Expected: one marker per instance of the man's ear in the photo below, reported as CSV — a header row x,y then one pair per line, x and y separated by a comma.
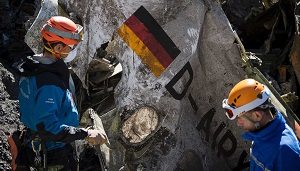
x,y
58,47
257,116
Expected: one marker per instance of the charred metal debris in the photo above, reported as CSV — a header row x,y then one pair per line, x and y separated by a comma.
x,y
269,31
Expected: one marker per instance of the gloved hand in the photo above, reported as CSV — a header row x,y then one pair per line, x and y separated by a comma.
x,y
96,137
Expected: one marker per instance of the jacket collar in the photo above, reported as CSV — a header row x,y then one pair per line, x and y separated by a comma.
x,y
43,59
33,66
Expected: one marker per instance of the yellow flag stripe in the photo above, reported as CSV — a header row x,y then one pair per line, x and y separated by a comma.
x,y
141,50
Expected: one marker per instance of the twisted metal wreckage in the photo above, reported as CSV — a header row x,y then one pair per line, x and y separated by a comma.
x,y
164,113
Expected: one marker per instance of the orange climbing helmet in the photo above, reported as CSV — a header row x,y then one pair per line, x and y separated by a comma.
x,y
246,95
62,29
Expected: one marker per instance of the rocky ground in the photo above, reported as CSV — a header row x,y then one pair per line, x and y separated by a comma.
x,y
9,112
12,16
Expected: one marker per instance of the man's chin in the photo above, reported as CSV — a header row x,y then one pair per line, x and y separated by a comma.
x,y
245,129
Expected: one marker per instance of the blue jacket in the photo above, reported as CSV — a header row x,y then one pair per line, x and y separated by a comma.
x,y
46,104
275,147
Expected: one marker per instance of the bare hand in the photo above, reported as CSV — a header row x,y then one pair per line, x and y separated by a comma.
x,y
96,137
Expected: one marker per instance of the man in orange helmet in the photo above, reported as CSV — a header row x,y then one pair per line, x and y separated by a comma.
x,y
47,105
275,145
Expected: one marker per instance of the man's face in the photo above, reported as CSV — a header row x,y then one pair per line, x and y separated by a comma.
x,y
297,129
246,121
64,49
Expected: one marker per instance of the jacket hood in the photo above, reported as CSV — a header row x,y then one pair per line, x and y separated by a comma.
x,y
31,67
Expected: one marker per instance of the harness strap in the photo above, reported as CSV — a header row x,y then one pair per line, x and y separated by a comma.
x,y
42,160
40,149
44,152
34,140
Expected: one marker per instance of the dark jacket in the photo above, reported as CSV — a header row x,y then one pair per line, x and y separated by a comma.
x,y
46,103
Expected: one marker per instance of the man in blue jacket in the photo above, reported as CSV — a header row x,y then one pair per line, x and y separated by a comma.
x,y
274,144
47,104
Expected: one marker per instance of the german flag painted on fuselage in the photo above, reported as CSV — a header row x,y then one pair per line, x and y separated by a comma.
x,y
149,41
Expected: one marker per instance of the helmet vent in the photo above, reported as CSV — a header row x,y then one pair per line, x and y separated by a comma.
x,y
259,96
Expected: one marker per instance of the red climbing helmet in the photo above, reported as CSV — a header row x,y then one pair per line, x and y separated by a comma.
x,y
62,29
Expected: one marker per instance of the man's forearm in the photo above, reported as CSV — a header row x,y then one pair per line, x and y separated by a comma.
x,y
66,135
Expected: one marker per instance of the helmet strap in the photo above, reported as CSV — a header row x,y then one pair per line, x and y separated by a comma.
x,y
256,124
57,55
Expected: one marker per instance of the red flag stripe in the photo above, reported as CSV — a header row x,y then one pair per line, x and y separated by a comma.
x,y
149,40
